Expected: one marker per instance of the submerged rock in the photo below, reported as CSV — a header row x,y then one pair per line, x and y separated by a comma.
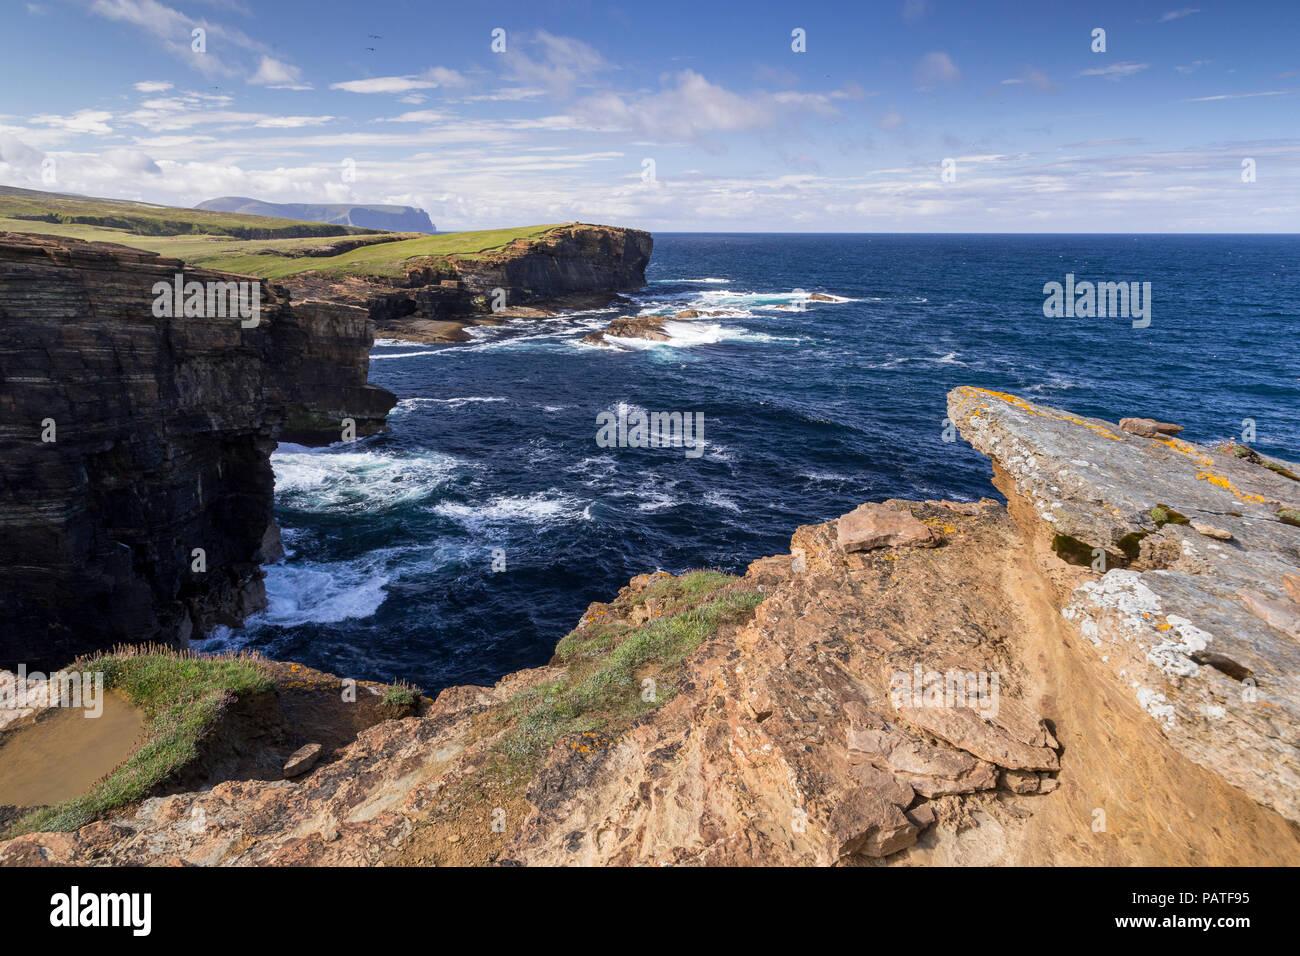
x,y
648,327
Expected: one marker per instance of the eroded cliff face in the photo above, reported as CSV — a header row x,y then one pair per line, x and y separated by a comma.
x,y
1142,713
129,441
578,265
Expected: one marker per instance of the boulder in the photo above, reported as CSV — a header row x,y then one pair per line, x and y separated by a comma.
x,y
1148,427
873,525
302,760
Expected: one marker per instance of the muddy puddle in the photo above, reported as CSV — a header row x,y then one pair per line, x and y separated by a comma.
x,y
65,753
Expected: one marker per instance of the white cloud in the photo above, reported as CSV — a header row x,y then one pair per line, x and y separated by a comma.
x,y
1177,14
419,116
562,63
278,75
891,120
428,80
240,55
291,122
153,86
936,69
1035,78
1237,96
1116,71
82,121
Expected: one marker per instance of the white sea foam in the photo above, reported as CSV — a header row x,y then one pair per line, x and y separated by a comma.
x,y
324,480
543,508
398,355
323,592
707,280
407,403
719,500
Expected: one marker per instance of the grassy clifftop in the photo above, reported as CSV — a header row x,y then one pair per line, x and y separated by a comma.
x,y
250,245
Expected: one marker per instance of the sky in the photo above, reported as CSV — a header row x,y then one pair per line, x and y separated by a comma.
x,y
902,116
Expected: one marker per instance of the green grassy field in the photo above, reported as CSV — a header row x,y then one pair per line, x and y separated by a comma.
x,y
248,245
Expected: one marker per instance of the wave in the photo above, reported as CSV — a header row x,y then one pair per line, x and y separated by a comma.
x,y
326,480
543,508
323,592
397,355
707,280
408,403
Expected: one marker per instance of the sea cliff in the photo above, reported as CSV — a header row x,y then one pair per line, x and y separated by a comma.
x,y
136,487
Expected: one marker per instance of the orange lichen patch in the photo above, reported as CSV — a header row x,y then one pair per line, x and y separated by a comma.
x,y
1187,448
1032,409
1225,483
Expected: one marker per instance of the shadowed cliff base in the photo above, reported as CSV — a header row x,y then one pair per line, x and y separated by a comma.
x,y
684,723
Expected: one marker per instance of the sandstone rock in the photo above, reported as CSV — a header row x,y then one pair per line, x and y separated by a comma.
x,y
875,526
302,760
1210,531
1148,427
1291,584
819,297
688,314
1170,629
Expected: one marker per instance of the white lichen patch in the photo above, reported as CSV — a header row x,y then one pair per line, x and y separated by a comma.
x,y
1157,705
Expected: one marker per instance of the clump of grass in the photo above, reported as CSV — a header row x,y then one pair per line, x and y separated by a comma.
x,y
399,697
604,689
181,695
1289,516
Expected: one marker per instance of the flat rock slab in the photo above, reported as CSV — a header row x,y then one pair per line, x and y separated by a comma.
x,y
874,525
1193,619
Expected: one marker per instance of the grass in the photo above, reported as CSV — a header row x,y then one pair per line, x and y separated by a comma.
x,y
259,246
616,671
146,219
181,696
399,697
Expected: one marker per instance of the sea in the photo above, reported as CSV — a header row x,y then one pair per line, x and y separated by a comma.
x,y
465,542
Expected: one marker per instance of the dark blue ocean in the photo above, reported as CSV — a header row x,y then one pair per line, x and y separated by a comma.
x,y
809,407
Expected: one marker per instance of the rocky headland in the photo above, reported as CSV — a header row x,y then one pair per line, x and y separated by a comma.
x,y
1101,671
571,266
131,443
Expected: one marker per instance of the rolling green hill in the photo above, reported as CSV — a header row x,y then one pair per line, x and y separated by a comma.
x,y
269,248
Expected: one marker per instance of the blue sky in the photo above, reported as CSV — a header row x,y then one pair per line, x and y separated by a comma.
x,y
672,116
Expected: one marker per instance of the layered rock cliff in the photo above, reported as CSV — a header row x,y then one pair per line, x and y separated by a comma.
x,y
577,265
136,491
918,683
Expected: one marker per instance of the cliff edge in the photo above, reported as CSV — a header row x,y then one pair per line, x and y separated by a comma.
x,y
914,683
